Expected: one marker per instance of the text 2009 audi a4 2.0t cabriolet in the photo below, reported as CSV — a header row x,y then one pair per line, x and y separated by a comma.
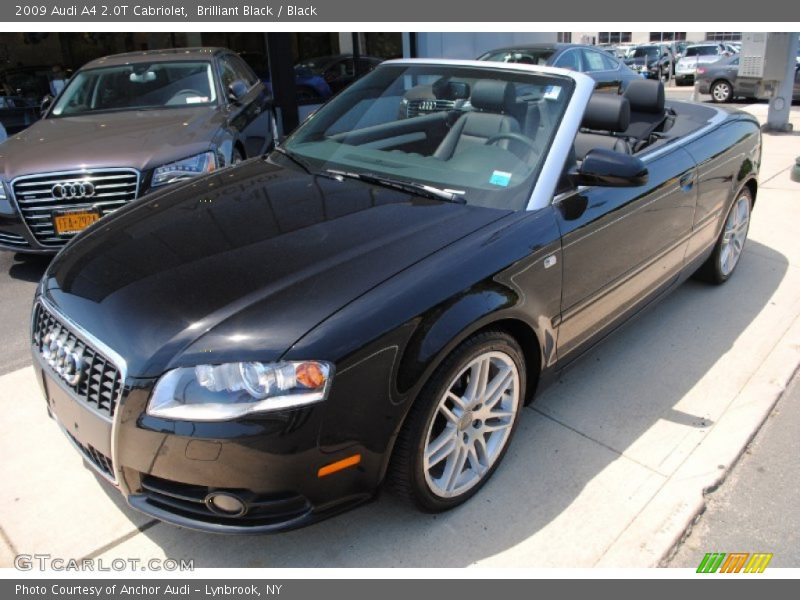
x,y
376,300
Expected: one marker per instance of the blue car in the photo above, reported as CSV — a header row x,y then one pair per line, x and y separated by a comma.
x,y
309,85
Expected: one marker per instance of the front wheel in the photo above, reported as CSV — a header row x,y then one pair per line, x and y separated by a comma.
x,y
460,425
723,260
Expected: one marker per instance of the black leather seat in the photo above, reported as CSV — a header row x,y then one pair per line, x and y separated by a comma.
x,y
606,116
646,97
492,102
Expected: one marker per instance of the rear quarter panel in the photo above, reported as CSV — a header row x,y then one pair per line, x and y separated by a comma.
x,y
727,158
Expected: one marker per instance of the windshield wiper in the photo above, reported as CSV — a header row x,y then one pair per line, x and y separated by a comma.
x,y
413,187
303,164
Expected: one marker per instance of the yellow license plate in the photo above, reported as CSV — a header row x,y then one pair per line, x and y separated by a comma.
x,y
74,222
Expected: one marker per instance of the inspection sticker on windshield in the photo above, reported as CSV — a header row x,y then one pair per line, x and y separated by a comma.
x,y
196,99
500,178
552,92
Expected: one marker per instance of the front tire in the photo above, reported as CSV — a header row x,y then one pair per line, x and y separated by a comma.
x,y
721,91
459,428
729,247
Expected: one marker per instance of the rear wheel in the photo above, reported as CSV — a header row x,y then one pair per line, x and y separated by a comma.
x,y
460,425
723,260
721,91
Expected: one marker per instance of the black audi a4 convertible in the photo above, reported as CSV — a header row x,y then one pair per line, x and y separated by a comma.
x,y
376,300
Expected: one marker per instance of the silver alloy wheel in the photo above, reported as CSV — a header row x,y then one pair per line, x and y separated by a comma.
x,y
721,91
734,235
472,424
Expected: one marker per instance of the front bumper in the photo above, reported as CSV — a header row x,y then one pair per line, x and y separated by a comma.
x,y
168,469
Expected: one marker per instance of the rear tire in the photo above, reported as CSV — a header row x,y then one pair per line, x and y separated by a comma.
x,y
730,244
461,424
721,91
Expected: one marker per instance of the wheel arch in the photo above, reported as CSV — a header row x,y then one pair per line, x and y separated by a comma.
x,y
514,325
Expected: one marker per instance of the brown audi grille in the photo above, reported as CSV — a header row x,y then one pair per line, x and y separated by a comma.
x,y
12,239
102,383
96,458
113,188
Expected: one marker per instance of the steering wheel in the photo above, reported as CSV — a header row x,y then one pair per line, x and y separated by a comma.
x,y
516,137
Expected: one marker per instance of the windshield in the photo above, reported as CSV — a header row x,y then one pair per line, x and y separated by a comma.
x,y
479,134
529,56
648,51
138,87
701,51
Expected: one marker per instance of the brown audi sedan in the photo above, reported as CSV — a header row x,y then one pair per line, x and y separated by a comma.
x,y
124,125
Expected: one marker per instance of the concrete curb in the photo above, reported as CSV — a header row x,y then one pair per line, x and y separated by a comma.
x,y
650,539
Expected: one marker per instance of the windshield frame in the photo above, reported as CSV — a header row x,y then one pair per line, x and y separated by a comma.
x,y
211,62
551,167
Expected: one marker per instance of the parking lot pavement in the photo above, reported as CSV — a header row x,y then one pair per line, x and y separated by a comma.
x,y
20,275
607,468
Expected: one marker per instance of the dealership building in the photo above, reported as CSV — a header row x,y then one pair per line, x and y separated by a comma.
x,y
30,61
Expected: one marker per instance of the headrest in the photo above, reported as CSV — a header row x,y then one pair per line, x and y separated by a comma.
x,y
607,112
493,96
646,95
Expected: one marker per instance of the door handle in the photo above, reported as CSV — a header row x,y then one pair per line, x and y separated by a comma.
x,y
687,182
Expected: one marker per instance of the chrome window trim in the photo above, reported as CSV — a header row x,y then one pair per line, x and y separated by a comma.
x,y
86,171
542,194
114,357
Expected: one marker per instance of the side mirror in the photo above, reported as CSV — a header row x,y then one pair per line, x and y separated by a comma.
x,y
607,168
237,91
44,106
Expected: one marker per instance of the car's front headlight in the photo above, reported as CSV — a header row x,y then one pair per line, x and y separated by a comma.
x,y
185,168
3,191
232,390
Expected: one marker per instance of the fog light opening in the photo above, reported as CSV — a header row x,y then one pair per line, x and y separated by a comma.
x,y
225,504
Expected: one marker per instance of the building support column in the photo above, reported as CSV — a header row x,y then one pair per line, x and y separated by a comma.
x,y
282,79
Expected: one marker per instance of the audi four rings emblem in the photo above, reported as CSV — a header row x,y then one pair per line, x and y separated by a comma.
x,y
63,356
71,190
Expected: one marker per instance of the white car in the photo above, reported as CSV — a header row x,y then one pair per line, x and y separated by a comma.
x,y
694,56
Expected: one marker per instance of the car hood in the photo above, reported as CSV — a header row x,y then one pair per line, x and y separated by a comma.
x,y
241,264
139,139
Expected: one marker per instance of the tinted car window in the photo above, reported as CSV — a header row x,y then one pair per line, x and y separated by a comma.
x,y
523,55
243,71
702,51
232,68
597,61
568,60
647,51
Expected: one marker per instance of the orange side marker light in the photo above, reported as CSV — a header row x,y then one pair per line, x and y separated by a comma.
x,y
350,461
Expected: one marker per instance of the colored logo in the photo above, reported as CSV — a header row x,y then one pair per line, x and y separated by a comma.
x,y
735,562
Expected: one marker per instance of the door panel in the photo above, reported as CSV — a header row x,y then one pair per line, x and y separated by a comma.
x,y
621,245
